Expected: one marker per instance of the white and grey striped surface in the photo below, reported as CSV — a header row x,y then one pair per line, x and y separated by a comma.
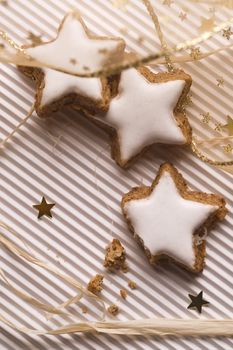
x,y
67,159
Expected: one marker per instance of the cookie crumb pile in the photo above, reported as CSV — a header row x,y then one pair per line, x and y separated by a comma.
x,y
96,284
115,256
113,309
132,285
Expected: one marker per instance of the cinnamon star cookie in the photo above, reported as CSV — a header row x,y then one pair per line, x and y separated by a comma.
x,y
146,110
74,47
170,221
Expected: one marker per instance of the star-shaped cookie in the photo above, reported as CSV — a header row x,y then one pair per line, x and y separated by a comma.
x,y
147,110
74,47
170,221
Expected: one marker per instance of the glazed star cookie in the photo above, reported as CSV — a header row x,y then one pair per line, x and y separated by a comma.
x,y
146,110
169,221
73,47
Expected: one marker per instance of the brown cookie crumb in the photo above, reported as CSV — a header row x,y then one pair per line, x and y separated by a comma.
x,y
115,256
113,309
132,285
95,284
123,293
84,309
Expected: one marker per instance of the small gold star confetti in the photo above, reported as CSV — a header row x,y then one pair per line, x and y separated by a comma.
x,y
227,33
168,2
183,16
73,61
207,24
229,125
218,127
220,82
195,53
205,118
44,208
35,39
197,302
227,148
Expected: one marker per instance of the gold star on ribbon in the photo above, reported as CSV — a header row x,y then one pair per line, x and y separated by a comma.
x,y
207,24
195,53
44,208
229,125
227,148
206,118
218,127
227,33
197,302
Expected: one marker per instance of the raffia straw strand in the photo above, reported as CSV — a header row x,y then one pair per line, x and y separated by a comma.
x,y
32,259
3,142
31,300
160,327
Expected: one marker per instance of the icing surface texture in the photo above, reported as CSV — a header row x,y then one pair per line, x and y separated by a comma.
x,y
59,84
142,113
73,43
166,221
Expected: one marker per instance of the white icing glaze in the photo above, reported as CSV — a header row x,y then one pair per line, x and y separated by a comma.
x,y
59,84
71,43
166,221
142,113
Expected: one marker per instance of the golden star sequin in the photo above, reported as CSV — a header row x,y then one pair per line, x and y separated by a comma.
x,y
197,302
195,53
227,148
183,16
229,125
206,118
207,24
44,208
220,82
227,33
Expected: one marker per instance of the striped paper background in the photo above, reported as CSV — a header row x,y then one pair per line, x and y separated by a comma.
x,y
67,159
